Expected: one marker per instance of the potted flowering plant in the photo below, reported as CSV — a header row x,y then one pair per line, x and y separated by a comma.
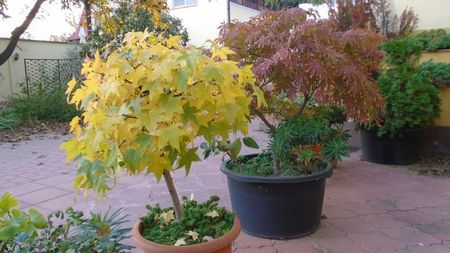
x,y
302,65
412,103
142,109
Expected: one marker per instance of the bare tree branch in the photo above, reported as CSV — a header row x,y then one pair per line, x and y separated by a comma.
x,y
15,35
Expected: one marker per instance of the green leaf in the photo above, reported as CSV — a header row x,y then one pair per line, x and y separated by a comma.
x,y
250,142
235,148
37,219
7,202
132,158
187,158
189,114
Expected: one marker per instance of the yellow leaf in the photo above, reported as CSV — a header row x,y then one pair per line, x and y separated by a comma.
x,y
71,86
194,235
73,148
167,217
171,135
180,242
75,126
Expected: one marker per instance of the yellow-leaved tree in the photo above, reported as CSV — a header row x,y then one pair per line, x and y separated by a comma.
x,y
143,107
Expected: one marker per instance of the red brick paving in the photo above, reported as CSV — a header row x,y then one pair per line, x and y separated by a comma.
x,y
370,208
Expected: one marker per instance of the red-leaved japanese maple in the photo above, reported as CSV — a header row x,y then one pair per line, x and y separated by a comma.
x,y
309,59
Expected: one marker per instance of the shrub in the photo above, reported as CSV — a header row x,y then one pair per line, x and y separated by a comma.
x,y
373,14
43,105
7,119
437,73
433,40
129,17
411,101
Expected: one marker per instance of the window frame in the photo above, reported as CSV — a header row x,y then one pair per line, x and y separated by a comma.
x,y
184,5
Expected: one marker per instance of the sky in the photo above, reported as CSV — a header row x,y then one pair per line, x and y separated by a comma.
x,y
51,20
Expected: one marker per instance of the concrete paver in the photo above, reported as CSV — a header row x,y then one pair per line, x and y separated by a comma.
x,y
369,208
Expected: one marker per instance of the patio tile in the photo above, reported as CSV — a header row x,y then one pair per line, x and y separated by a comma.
x,y
42,195
411,236
25,188
370,208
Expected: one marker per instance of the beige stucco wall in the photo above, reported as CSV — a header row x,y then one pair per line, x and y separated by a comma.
x,y
432,14
241,13
12,73
441,56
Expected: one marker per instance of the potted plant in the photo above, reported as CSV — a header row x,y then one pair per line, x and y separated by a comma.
x,y
301,64
412,102
143,107
68,231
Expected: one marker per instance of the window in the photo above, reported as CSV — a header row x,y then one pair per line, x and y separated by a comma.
x,y
182,3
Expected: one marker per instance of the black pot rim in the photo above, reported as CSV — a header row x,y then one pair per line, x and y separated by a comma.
x,y
327,172
405,130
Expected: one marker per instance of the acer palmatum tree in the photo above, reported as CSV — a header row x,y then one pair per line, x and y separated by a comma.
x,y
376,15
307,60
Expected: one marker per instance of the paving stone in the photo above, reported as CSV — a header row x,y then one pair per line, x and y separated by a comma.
x,y
425,249
411,236
247,241
370,208
439,230
353,225
413,217
383,221
25,188
375,242
42,195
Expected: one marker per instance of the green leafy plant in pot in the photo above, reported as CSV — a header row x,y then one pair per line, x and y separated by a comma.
x,y
412,102
302,65
142,110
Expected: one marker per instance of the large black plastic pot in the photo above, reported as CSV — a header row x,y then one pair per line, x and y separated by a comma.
x,y
277,207
401,150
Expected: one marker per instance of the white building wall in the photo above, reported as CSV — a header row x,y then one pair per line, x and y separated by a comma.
x,y
202,21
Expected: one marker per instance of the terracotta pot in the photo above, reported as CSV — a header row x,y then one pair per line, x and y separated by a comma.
x,y
219,245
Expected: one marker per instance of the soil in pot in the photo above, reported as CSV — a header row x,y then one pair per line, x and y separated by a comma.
x,y
402,149
277,207
205,227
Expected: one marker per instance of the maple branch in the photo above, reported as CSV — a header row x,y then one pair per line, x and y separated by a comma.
x,y
173,195
264,119
16,33
304,104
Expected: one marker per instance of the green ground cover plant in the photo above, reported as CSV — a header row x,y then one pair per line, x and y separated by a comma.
x,y
202,222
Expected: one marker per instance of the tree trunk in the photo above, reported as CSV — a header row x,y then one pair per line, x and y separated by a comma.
x,y
173,195
276,165
87,11
15,35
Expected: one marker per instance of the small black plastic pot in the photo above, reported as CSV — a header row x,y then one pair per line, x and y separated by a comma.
x,y
277,207
400,150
